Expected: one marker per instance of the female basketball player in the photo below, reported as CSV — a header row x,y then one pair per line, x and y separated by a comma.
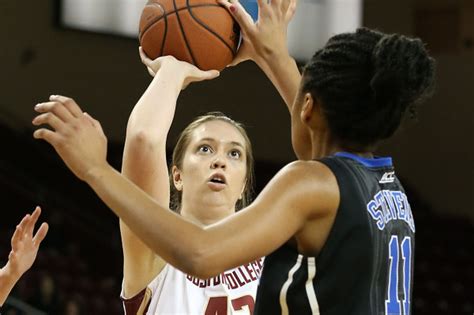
x,y
211,178
338,211
23,254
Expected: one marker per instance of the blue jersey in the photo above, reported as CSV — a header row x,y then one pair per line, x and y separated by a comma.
x,y
366,264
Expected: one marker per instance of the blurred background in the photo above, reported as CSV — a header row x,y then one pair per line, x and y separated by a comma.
x,y
78,270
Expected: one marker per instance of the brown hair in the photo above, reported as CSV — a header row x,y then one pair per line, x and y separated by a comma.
x,y
182,144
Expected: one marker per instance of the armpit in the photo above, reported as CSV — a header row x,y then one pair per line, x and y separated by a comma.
x,y
137,305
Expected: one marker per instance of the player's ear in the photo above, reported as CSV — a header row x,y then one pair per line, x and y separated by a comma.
x,y
177,180
307,108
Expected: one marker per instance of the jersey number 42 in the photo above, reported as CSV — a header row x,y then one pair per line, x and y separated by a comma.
x,y
218,305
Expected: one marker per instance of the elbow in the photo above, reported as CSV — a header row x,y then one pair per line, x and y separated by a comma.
x,y
143,131
138,135
143,139
201,264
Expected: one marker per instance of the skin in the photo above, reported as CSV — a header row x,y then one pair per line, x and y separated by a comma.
x,y
144,163
25,247
265,43
207,155
298,206
144,160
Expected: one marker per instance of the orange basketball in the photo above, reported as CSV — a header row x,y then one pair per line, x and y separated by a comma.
x,y
201,32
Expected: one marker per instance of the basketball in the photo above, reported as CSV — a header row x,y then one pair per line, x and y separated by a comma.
x,y
201,32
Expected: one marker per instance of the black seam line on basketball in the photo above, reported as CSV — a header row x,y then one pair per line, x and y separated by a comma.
x,y
208,28
164,35
184,34
150,24
153,21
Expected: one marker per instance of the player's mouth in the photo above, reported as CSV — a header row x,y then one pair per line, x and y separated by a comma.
x,y
217,182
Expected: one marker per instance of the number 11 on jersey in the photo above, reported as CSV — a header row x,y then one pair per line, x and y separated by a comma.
x,y
393,305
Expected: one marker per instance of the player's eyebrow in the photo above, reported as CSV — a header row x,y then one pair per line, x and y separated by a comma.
x,y
234,143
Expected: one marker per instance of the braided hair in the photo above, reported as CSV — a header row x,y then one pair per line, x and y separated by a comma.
x,y
367,81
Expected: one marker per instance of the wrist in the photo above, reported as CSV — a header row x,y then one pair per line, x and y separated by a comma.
x,y
95,174
8,276
171,75
275,61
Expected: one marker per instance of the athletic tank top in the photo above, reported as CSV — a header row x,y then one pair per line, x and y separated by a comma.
x,y
366,264
173,292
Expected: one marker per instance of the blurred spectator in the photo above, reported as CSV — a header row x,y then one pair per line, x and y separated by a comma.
x,y
46,298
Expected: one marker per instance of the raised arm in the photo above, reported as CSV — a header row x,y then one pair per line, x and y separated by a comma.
x,y
300,193
144,159
144,163
265,42
24,249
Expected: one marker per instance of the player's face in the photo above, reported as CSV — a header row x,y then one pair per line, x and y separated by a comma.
x,y
214,166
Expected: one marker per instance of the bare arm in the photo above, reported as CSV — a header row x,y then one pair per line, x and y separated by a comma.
x,y
300,192
144,163
23,254
285,76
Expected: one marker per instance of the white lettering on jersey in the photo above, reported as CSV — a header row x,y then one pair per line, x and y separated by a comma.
x,y
388,205
388,177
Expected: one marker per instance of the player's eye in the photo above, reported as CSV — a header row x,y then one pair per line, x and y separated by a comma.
x,y
204,148
235,154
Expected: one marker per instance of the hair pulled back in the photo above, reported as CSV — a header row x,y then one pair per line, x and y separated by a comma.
x,y
367,81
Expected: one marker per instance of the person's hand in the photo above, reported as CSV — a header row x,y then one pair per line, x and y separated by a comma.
x,y
266,38
182,70
76,136
25,245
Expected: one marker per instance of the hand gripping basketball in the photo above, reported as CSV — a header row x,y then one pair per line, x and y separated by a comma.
x,y
182,70
201,32
267,37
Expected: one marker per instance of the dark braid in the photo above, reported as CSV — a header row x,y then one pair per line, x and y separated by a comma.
x,y
367,81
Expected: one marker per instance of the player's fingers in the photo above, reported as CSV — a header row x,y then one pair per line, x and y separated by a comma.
x,y
41,234
57,108
48,119
24,222
31,223
151,72
284,5
95,123
211,74
224,3
264,5
90,119
20,228
69,103
239,13
47,135
144,58
291,10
